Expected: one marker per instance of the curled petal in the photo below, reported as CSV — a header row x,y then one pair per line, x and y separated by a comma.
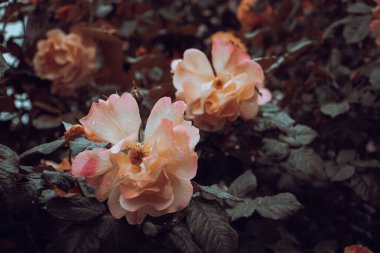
x,y
114,204
195,69
265,97
183,190
115,119
164,109
91,163
157,200
226,56
249,109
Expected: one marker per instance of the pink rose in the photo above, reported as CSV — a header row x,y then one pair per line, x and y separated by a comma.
x,y
374,26
65,59
222,92
140,177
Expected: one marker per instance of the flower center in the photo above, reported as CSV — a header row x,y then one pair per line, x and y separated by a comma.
x,y
137,154
217,84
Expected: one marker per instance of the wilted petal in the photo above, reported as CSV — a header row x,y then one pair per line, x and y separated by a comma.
x,y
115,119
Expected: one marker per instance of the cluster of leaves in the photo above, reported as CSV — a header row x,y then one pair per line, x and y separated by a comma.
x,y
316,144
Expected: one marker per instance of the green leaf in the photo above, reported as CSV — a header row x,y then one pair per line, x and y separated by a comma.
x,y
181,238
209,226
217,193
277,207
3,65
60,179
81,144
76,209
366,186
359,8
9,160
75,239
374,164
274,149
346,155
299,135
243,184
305,164
241,210
269,108
280,120
357,28
335,109
340,173
45,149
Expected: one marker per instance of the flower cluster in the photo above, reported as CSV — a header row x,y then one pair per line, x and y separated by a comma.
x,y
375,24
139,177
148,172
232,86
65,59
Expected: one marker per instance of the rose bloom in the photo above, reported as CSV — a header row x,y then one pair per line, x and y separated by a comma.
x,y
65,59
375,24
140,177
222,92
250,18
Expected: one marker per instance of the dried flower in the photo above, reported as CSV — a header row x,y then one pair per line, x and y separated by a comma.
x,y
223,92
65,59
251,15
374,26
139,178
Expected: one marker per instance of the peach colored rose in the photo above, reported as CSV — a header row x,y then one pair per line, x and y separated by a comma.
x,y
222,92
248,15
140,177
65,59
375,24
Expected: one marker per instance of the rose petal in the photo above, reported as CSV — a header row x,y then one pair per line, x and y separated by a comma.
x,y
226,57
114,204
91,163
135,217
265,97
115,119
183,191
249,109
195,69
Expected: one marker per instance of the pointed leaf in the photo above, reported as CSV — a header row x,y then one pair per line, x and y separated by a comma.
x,y
209,225
76,209
9,160
181,238
45,149
243,184
277,207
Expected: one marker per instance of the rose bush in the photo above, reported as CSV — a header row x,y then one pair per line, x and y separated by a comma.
x,y
139,177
